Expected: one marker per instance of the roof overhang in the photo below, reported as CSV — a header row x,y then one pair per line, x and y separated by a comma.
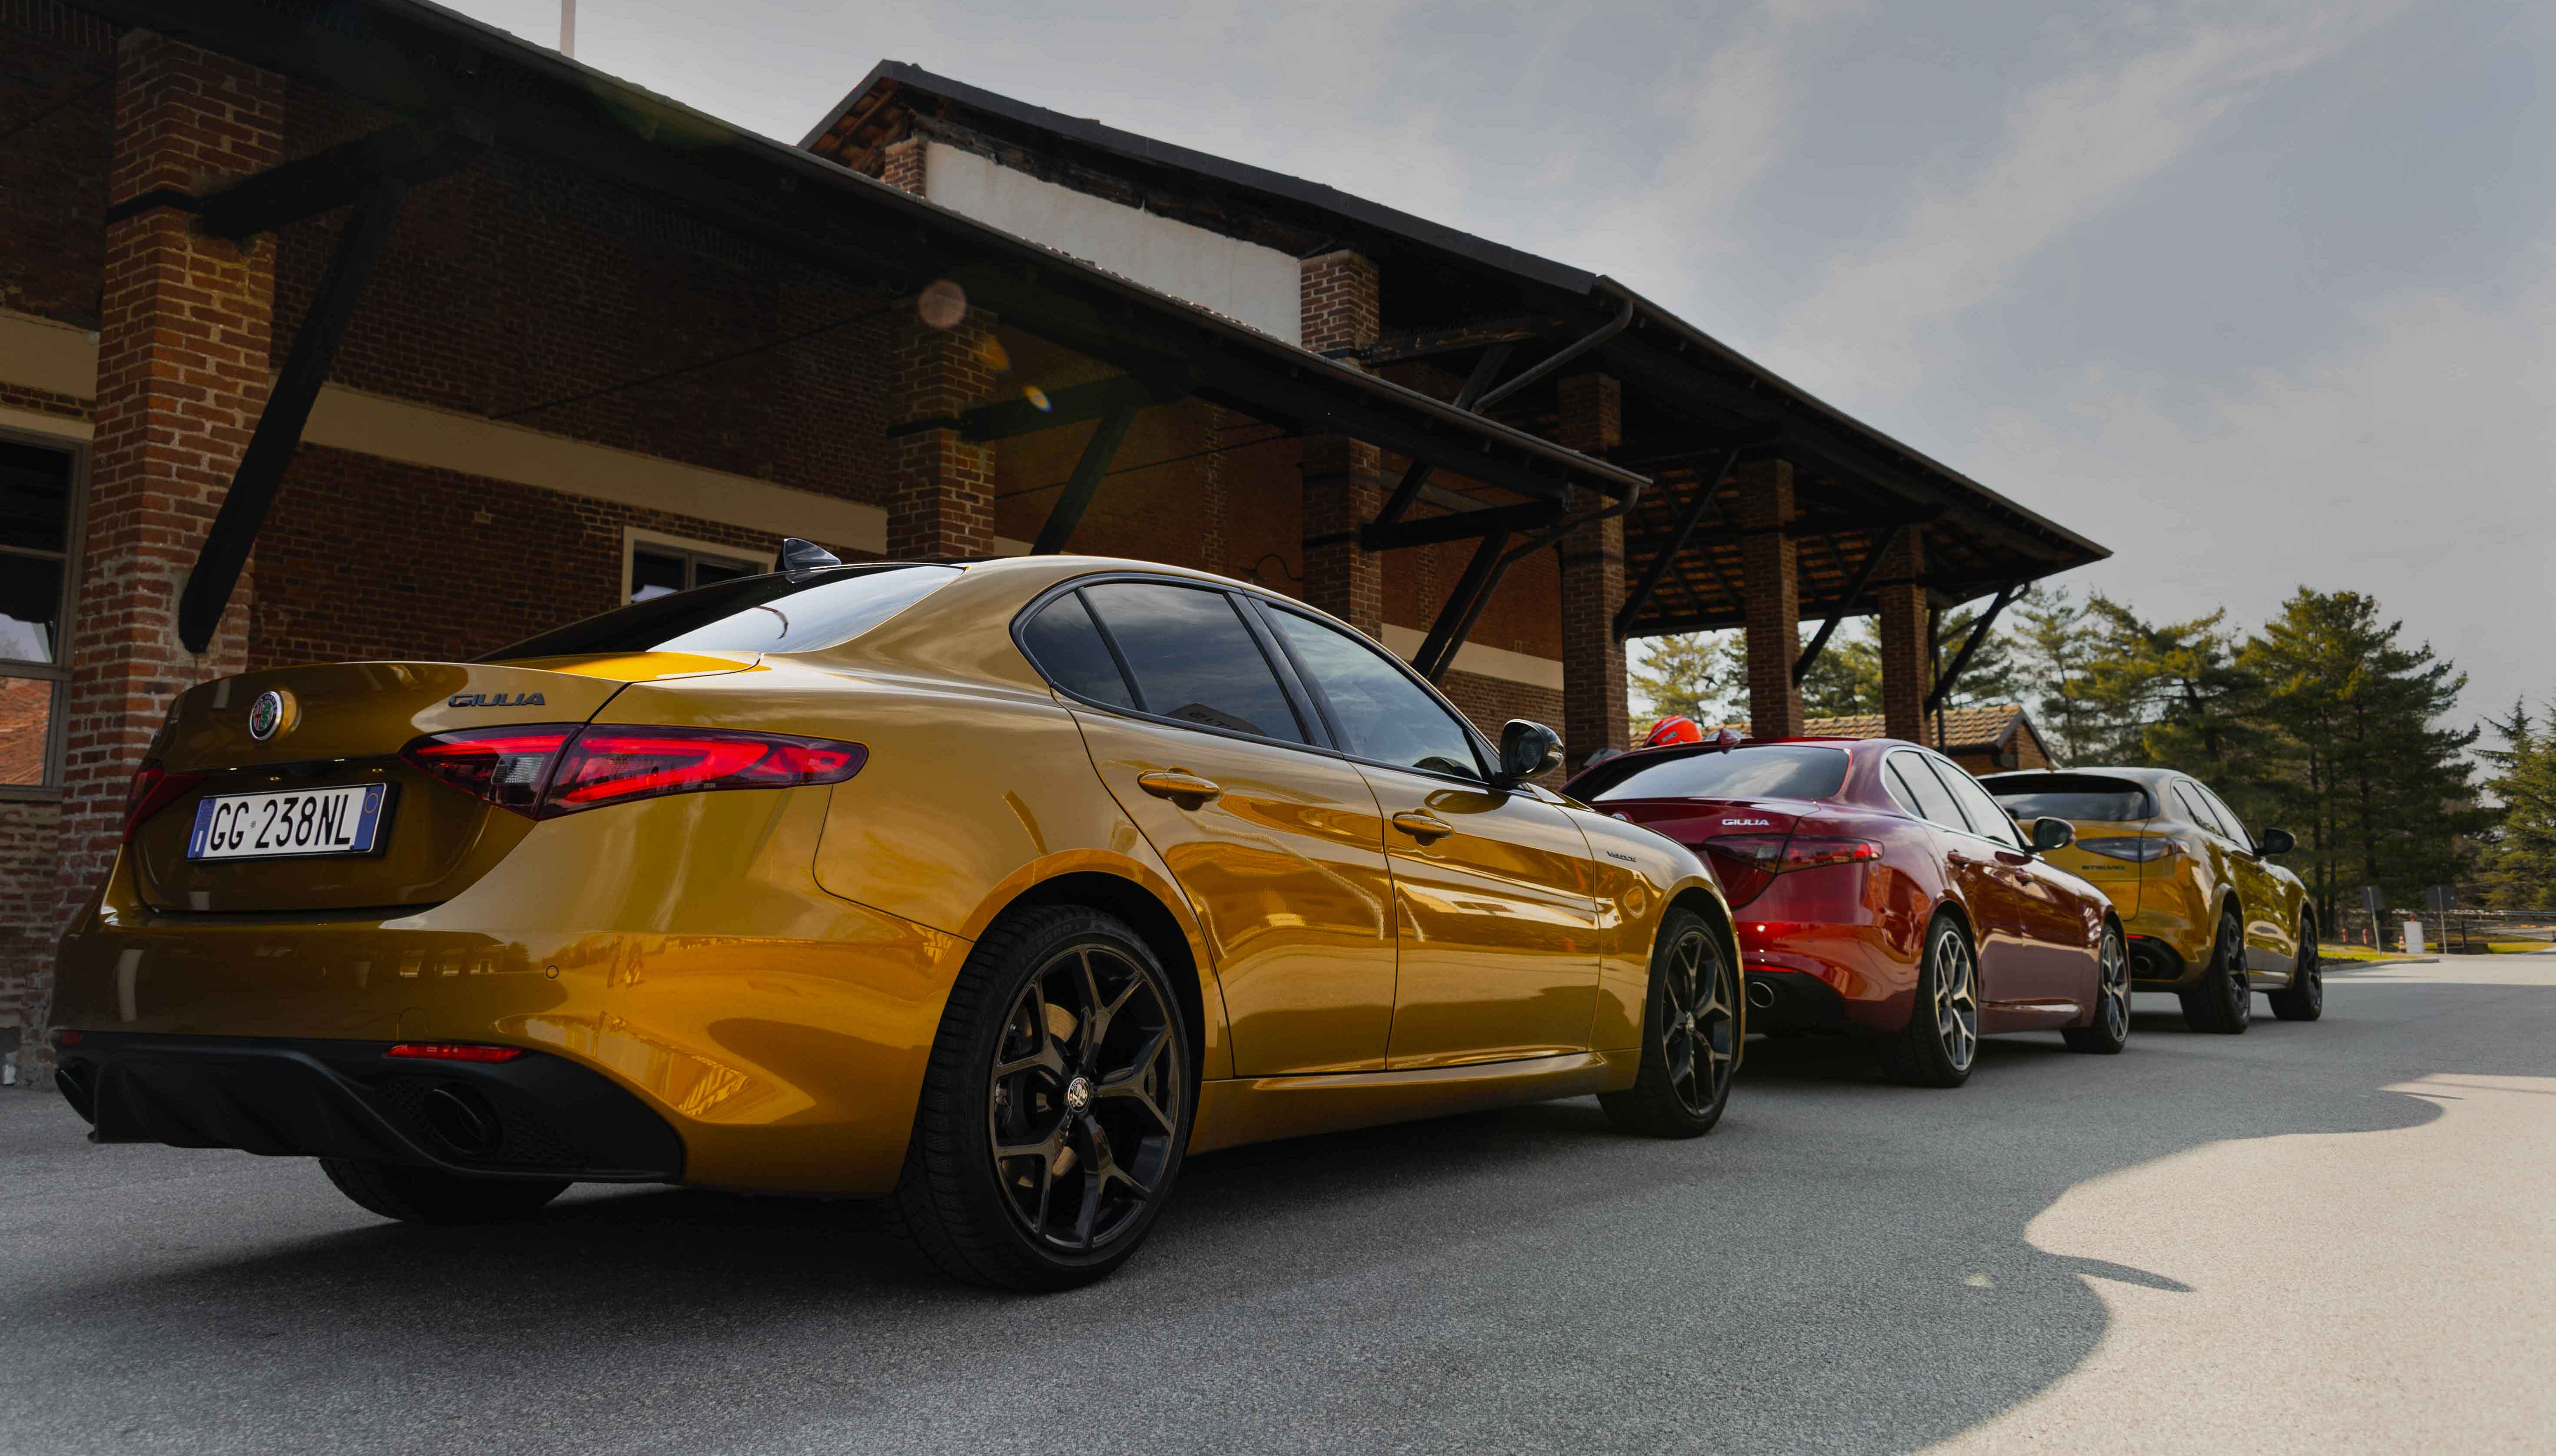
x,y
427,64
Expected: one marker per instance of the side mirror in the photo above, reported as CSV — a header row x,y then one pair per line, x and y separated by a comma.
x,y
2277,841
1526,750
2049,834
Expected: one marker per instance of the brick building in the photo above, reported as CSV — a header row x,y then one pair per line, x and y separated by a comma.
x,y
360,331
1988,738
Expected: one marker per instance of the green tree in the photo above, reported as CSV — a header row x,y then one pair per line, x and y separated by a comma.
x,y
2171,694
1693,674
1846,677
2055,646
2520,871
2378,786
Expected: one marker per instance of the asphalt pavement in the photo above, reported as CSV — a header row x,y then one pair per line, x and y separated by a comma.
x,y
2331,1237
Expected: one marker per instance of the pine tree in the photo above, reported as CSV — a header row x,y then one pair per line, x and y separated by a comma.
x,y
1693,674
2520,871
2054,646
2381,788
2171,694
1845,678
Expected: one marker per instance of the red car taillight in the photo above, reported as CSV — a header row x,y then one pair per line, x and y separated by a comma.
x,y
543,771
2136,848
452,1051
154,789
1747,863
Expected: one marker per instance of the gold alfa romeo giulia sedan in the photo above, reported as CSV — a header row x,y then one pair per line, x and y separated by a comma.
x,y
990,889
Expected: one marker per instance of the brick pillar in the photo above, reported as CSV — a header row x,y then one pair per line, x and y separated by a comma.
x,y
1594,713
901,165
1771,589
1906,674
184,324
941,493
1344,477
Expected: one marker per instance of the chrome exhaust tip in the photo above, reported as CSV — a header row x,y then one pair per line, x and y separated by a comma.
x,y
1761,995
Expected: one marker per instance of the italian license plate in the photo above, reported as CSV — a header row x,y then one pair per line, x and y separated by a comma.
x,y
300,821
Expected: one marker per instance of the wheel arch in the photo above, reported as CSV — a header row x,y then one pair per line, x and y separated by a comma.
x,y
1717,914
1161,930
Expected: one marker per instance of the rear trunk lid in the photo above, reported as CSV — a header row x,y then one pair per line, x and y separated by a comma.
x,y
2111,855
343,725
1742,839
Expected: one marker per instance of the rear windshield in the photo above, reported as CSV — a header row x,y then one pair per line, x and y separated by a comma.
x,y
783,612
1768,771
2079,796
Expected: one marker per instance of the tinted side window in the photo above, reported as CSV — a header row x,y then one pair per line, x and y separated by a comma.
x,y
1064,645
2227,819
1191,657
1987,819
1915,787
1380,713
2195,809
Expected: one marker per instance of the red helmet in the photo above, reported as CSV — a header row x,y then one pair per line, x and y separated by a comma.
x,y
1674,730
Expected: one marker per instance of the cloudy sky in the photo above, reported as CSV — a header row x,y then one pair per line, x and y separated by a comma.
x,y
2257,293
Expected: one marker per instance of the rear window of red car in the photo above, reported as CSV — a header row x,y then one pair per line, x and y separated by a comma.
x,y
1763,770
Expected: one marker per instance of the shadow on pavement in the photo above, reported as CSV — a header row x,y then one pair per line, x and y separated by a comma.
x,y
1841,1268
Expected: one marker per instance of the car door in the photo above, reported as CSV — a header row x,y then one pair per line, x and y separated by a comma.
x,y
2219,874
2271,918
1970,865
2059,959
1277,845
1496,918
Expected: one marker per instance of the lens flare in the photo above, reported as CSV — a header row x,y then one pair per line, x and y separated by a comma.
x,y
1037,397
943,304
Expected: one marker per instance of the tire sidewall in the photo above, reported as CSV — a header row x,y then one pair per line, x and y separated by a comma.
x,y
1036,946
1673,928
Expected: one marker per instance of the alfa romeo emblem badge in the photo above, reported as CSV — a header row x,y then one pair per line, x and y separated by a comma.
x,y
270,715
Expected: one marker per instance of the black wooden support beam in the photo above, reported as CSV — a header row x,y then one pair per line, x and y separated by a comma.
x,y
1424,343
1460,525
1097,453
1070,405
1845,603
1559,357
287,408
326,180
1970,644
1706,486
1463,609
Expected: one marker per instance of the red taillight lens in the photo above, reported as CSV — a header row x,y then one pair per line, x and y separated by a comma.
x,y
2136,848
1747,863
607,765
507,767
549,770
154,789
453,1051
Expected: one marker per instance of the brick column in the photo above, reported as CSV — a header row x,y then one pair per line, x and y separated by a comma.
x,y
1771,590
901,165
941,492
1343,478
1906,675
181,376
1594,713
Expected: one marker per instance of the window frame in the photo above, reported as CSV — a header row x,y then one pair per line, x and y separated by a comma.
x,y
66,639
1953,783
2196,810
2237,834
635,539
1890,764
1319,736
1313,690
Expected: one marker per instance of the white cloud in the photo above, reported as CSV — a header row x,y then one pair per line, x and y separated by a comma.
x,y
2072,146
2412,463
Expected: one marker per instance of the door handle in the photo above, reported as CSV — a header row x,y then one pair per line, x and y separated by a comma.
x,y
1182,787
1422,826
1959,858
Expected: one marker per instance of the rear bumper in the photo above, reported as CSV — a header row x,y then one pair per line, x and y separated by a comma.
x,y
1793,1001
538,1116
1825,976
2156,965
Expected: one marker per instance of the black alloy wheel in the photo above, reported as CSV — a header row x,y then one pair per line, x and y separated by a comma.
x,y
2302,1000
2109,1030
1055,1109
1690,1036
1941,1041
2222,1003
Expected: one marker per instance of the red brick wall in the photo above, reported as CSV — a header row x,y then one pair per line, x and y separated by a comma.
x,y
53,173
1770,564
368,558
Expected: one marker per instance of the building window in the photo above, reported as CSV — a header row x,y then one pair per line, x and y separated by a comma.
x,y
653,566
39,523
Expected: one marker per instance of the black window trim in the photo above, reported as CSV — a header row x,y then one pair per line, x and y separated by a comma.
x,y
1305,722
1918,812
1313,719
1940,763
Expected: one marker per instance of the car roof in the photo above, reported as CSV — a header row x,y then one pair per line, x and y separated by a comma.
x,y
2147,776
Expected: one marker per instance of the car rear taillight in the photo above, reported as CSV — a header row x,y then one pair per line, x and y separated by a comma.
x,y
1747,863
452,1051
154,789
2136,848
543,771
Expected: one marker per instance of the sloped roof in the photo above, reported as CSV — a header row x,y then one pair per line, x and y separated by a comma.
x,y
1985,726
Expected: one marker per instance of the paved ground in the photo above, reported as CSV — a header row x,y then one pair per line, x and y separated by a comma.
x,y
2325,1238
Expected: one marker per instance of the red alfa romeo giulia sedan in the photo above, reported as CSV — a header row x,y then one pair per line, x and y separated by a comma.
x,y
1879,889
